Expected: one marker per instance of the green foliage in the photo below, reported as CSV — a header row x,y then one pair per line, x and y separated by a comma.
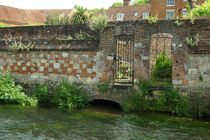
x,y
152,20
69,96
99,23
42,94
13,94
103,87
178,23
163,67
57,19
80,15
134,103
198,11
116,4
193,41
4,25
191,108
169,97
84,36
145,87
202,10
140,2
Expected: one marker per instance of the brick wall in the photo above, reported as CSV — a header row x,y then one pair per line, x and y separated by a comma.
x,y
53,58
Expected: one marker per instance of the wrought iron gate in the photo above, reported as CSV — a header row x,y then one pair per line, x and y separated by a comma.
x,y
124,60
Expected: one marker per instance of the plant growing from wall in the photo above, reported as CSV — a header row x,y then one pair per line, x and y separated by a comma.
x,y
151,19
124,70
99,23
178,23
193,41
15,44
80,15
103,87
163,68
69,96
10,93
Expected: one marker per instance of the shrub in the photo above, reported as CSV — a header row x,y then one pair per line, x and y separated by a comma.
x,y
99,23
169,97
56,19
191,107
42,94
103,87
13,94
69,96
163,67
134,103
145,87
80,15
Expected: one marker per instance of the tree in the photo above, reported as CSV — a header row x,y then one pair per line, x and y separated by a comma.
x,y
140,2
80,15
116,4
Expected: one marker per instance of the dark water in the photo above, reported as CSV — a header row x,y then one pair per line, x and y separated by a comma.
x,y
95,123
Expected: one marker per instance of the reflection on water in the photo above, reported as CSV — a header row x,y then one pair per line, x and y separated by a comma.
x,y
95,122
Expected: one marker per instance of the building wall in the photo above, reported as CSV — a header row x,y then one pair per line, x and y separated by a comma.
x,y
54,58
158,7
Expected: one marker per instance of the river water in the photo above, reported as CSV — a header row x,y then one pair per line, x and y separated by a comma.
x,y
95,123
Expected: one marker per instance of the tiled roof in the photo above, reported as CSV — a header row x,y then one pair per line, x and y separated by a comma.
x,y
27,16
128,12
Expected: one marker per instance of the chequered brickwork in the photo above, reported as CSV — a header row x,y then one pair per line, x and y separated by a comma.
x,y
75,66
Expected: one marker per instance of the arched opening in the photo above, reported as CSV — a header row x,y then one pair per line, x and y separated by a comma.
x,y
105,105
160,42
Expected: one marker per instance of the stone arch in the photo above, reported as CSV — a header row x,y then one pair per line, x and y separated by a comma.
x,y
105,102
160,42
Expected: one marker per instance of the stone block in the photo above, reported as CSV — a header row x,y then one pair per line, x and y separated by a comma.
x,y
28,64
44,61
110,57
99,74
61,61
192,71
33,69
145,57
23,68
69,70
50,70
56,65
89,70
59,70
41,69
84,65
47,64
66,55
203,68
20,55
76,66
15,68
138,45
71,62
177,82
65,65
19,63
